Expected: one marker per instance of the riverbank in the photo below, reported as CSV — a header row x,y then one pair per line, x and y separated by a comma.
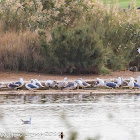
x,y
72,92
7,77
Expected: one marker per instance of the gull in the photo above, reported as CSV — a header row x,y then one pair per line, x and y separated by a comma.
x,y
63,83
81,83
20,82
136,84
38,83
50,83
13,85
32,85
100,82
71,86
138,49
138,80
27,121
111,84
131,83
1,85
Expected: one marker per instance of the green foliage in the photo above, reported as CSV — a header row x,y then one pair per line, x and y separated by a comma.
x,y
73,36
76,50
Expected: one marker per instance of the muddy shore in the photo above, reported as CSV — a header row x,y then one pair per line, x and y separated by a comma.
x,y
6,77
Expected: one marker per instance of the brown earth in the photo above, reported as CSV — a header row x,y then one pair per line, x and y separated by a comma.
x,y
27,76
6,77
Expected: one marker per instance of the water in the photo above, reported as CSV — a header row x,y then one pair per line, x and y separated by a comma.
x,y
108,117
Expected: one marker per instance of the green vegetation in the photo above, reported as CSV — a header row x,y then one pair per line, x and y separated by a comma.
x,y
122,3
68,36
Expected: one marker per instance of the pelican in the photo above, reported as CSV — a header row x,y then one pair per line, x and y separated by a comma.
x,y
26,121
50,83
63,83
71,86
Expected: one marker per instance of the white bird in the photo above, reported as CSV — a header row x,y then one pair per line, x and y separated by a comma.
x,y
50,83
20,82
100,82
38,83
138,80
12,85
26,121
32,85
81,83
131,83
15,85
138,49
71,86
63,83
111,84
1,85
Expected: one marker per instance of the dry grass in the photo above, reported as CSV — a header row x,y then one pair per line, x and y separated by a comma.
x,y
17,49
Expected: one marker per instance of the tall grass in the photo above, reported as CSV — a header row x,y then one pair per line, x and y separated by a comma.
x,y
68,36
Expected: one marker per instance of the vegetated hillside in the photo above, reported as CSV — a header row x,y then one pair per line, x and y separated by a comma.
x,y
123,3
68,36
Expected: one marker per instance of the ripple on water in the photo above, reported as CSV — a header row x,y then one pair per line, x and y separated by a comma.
x,y
110,116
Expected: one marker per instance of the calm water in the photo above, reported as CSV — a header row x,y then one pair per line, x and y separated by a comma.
x,y
108,117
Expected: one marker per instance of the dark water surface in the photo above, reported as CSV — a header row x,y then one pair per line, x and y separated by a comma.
x,y
109,117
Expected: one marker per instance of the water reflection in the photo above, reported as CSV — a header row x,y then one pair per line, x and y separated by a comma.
x,y
110,116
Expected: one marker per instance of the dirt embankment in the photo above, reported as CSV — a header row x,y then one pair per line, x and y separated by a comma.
x,y
6,77
27,76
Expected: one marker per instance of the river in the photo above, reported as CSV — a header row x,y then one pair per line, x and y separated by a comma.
x,y
104,117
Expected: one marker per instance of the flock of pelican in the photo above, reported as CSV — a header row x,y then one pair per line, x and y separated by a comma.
x,y
35,84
